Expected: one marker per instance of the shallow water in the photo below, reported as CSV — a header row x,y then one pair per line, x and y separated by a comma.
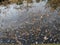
x,y
13,15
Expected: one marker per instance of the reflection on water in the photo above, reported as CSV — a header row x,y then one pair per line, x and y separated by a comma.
x,y
25,21
10,14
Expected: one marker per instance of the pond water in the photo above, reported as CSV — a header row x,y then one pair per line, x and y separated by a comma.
x,y
14,15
